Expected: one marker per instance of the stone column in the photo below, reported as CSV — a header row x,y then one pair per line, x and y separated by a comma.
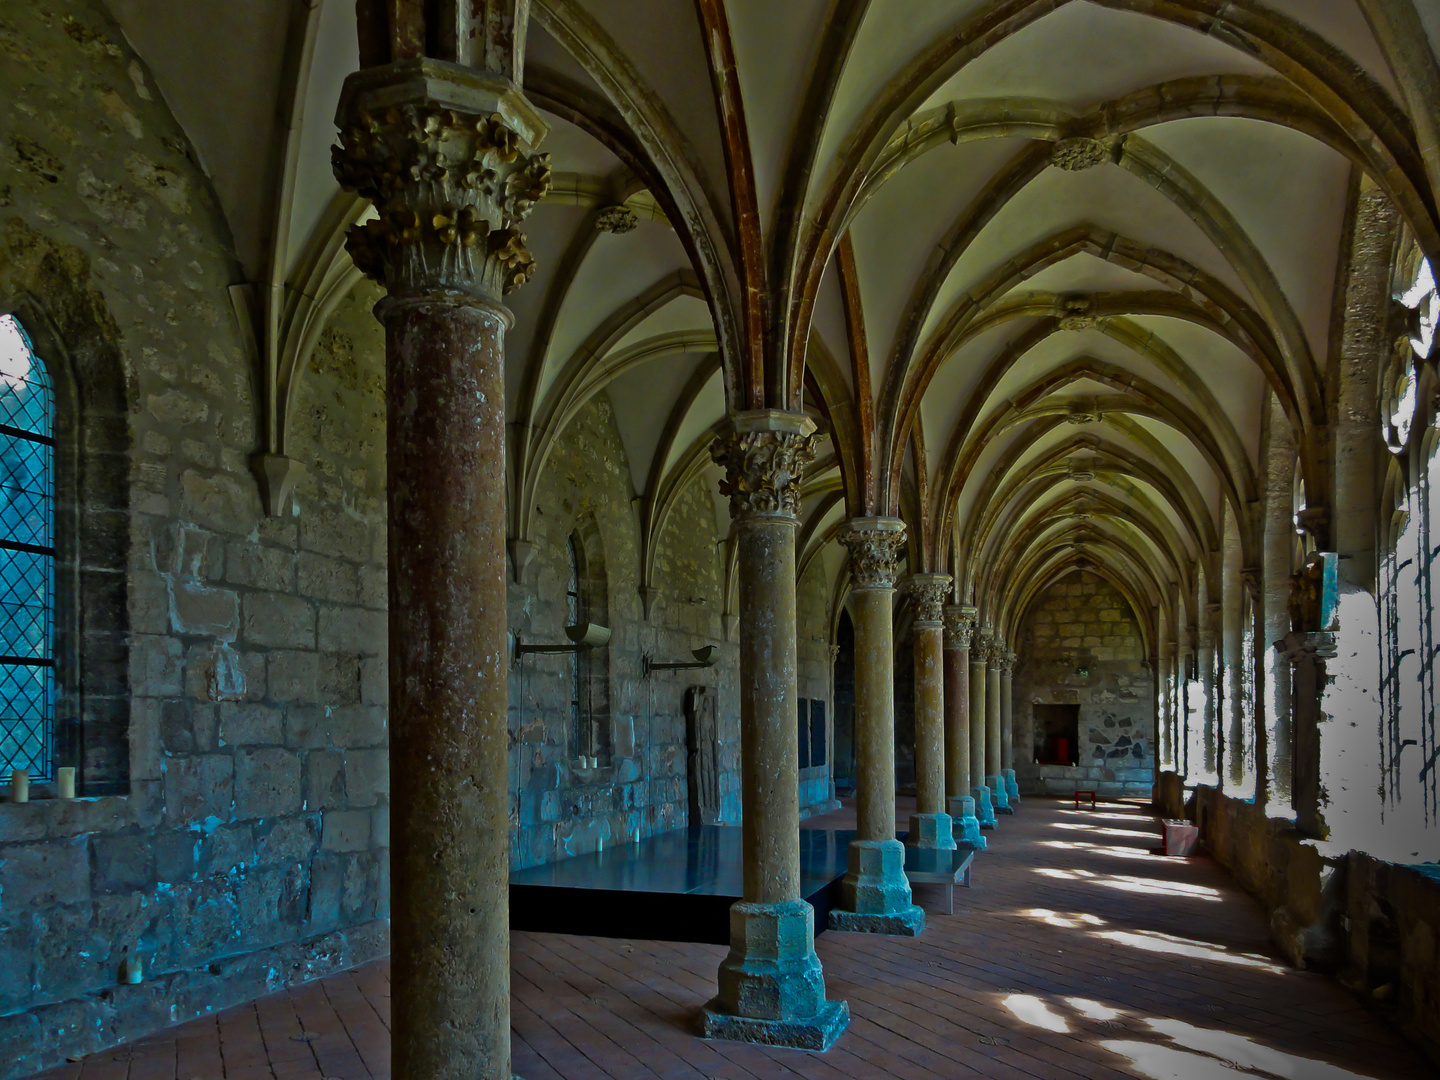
x,y
994,657
930,825
959,623
1212,736
875,895
1007,729
772,988
984,798
412,135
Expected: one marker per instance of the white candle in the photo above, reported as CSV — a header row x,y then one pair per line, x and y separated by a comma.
x,y
20,786
65,781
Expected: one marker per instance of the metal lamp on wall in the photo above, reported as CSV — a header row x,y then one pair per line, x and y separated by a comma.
x,y
705,657
581,635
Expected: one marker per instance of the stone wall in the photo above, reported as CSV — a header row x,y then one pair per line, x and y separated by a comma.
x,y
816,673
558,806
241,841
1082,623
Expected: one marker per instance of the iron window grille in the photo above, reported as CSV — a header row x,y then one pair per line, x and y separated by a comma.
x,y
27,556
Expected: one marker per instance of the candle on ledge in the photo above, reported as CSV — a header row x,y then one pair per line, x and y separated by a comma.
x,y
20,785
65,782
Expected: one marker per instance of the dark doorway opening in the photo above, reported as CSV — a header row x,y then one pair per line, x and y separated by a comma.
x,y
1057,734
844,763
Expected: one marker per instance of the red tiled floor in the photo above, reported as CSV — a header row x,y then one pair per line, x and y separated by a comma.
x,y
1078,955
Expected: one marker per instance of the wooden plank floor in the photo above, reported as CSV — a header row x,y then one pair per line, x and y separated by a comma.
x,y
1078,955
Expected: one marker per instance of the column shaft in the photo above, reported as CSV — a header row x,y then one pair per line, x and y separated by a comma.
x,y
771,985
929,719
874,714
994,780
959,790
957,723
1007,730
449,816
445,490
931,825
875,895
979,790
770,765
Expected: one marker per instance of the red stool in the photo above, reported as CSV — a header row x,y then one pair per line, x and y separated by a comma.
x,y
1081,793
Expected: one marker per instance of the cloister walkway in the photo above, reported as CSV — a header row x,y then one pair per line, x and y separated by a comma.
x,y
1078,954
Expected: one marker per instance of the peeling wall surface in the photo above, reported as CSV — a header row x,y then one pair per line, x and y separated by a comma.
x,y
1080,645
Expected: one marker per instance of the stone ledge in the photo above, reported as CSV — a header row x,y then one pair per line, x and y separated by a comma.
x,y
817,1033
909,922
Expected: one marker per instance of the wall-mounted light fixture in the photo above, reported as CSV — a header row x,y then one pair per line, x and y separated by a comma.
x,y
704,657
582,636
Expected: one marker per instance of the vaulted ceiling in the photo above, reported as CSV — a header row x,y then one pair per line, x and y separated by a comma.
x,y
1038,267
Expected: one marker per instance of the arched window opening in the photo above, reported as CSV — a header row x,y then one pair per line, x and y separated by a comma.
x,y
27,557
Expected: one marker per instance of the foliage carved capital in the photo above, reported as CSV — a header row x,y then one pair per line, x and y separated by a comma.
x,y
764,459
448,167
875,546
959,626
929,591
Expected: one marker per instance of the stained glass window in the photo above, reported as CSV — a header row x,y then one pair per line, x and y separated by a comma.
x,y
27,556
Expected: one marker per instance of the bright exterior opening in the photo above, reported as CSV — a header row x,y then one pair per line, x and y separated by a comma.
x,y
27,557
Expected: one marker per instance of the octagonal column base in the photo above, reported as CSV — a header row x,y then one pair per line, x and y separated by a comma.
x,y
984,807
967,825
1012,786
998,795
929,831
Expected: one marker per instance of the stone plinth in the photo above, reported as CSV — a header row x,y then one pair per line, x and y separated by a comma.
x,y
875,894
772,988
984,807
1012,786
932,831
999,798
967,824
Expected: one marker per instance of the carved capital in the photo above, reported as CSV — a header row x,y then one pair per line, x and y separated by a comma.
x,y
875,545
929,591
443,153
980,646
959,626
764,457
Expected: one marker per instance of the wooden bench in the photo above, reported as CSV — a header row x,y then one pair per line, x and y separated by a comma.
x,y
929,866
1084,793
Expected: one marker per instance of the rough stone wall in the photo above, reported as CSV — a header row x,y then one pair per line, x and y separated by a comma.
x,y
1082,622
559,808
816,665
687,614
246,849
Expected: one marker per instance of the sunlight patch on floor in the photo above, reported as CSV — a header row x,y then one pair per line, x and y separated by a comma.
x,y
1103,830
1138,854
1073,921
1093,1010
1246,1052
1029,1009
1126,883
1156,942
